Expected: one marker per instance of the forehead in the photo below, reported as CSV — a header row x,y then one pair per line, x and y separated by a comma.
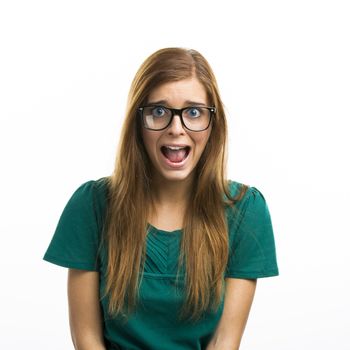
x,y
177,92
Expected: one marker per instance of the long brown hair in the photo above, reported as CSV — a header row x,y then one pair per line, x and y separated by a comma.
x,y
204,245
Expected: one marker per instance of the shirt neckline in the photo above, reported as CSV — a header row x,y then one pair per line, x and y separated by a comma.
x,y
155,229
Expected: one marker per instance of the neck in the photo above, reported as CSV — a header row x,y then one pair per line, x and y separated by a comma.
x,y
167,192
170,201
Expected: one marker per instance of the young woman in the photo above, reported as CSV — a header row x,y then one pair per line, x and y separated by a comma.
x,y
164,254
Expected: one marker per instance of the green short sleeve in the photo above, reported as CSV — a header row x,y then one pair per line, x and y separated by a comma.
x,y
252,243
75,241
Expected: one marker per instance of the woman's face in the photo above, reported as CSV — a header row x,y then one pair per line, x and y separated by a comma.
x,y
175,151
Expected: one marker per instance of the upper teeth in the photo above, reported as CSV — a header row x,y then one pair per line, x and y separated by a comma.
x,y
174,148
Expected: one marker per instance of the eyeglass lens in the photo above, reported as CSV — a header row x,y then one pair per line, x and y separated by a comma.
x,y
158,117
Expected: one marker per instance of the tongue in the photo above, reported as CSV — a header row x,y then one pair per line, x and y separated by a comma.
x,y
175,156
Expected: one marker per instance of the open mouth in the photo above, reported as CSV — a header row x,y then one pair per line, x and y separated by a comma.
x,y
175,154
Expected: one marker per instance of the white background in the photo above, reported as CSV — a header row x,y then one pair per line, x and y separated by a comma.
x,y
283,70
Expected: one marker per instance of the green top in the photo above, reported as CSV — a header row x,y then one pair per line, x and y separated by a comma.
x,y
154,324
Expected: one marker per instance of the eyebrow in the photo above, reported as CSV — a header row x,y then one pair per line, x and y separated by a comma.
x,y
187,102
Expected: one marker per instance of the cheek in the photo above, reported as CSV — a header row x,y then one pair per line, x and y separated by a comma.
x,y
201,144
145,142
145,138
149,141
203,140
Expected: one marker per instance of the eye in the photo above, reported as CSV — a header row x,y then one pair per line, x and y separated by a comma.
x,y
158,111
193,112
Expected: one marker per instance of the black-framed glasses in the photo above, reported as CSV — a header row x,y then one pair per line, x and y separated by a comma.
x,y
193,118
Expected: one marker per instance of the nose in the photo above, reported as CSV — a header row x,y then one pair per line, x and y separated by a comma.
x,y
176,126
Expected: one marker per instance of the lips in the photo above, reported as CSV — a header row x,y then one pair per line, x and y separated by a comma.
x,y
175,153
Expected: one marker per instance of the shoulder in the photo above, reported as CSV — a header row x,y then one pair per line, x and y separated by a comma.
x,y
246,192
93,185
247,199
92,188
89,195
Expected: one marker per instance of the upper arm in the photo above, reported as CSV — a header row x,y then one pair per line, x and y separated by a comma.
x,y
239,295
84,309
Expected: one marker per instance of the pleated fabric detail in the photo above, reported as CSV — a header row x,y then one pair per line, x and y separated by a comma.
x,y
162,251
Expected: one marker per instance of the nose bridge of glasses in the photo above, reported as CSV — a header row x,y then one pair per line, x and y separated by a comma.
x,y
176,118
176,111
